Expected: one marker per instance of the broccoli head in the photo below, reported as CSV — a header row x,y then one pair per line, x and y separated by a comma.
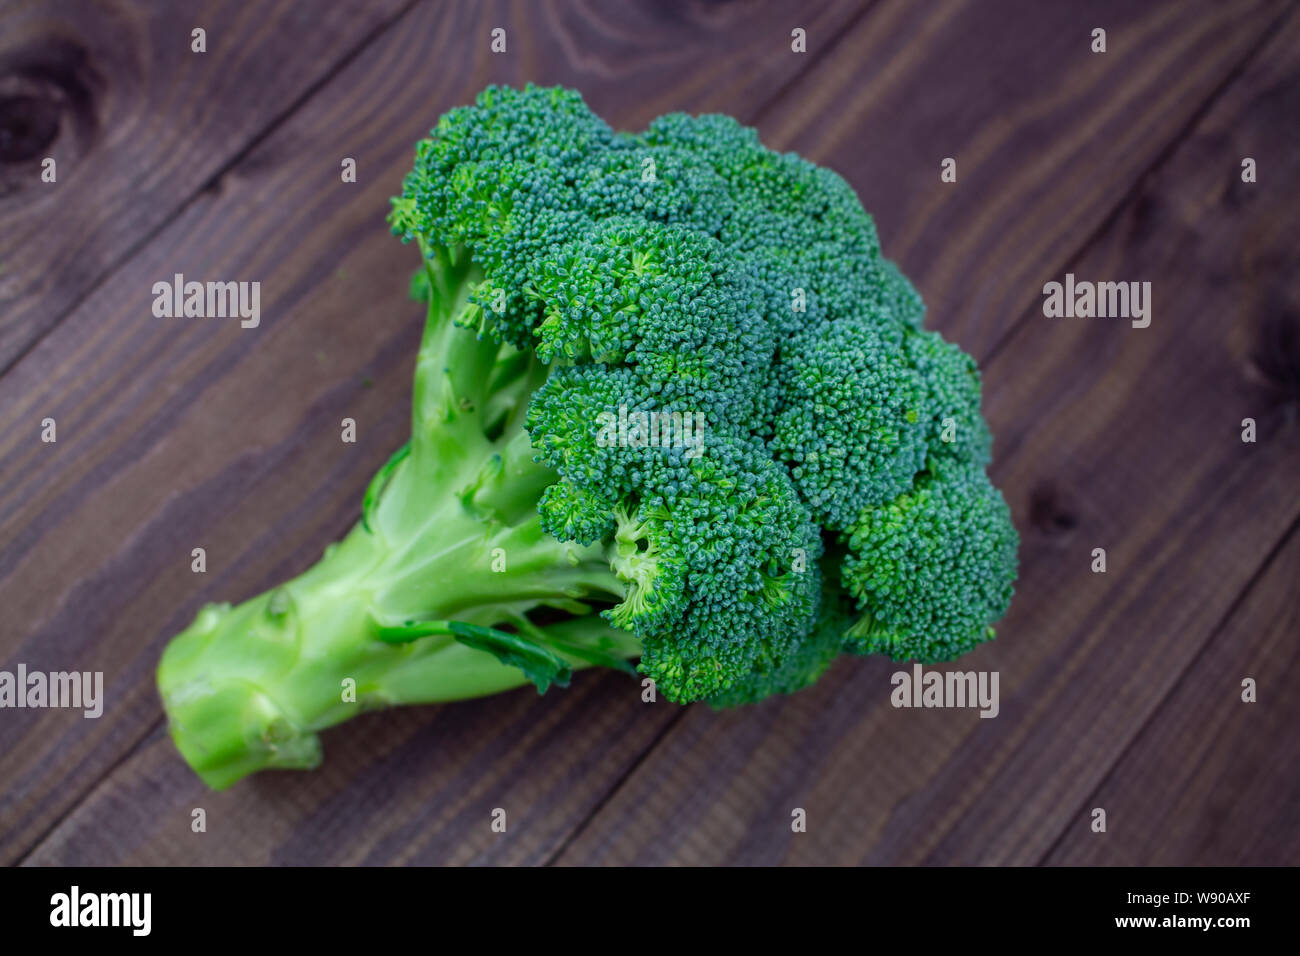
x,y
671,406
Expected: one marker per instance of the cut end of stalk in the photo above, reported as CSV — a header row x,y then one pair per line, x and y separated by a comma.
x,y
228,732
224,725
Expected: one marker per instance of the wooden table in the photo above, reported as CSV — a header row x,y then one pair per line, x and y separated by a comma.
x,y
1120,691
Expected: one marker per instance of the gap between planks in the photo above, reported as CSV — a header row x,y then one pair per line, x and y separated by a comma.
x,y
1224,621
1161,159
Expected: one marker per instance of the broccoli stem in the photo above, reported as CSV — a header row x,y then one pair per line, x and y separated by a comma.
x,y
248,687
427,599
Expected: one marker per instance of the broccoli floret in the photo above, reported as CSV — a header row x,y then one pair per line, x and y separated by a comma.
x,y
933,568
853,429
671,406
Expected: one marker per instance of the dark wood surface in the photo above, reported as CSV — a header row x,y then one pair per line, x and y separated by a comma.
x,y
1119,690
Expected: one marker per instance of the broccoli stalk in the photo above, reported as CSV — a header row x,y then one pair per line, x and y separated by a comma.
x,y
448,587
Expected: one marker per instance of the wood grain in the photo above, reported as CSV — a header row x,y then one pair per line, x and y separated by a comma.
x,y
408,786
1048,136
1212,779
173,435
136,123
178,434
1109,437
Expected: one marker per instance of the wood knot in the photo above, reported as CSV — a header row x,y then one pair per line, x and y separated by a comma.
x,y
28,125
48,95
1275,355
1048,512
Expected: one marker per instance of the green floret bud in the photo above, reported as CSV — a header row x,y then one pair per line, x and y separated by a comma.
x,y
750,555
653,575
933,569
577,514
955,427
896,299
854,429
809,658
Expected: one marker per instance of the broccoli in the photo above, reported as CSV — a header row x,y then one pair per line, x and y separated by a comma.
x,y
671,406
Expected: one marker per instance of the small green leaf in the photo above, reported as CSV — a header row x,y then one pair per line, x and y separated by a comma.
x,y
377,484
596,656
539,665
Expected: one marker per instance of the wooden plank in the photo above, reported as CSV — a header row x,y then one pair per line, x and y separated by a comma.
x,y
175,435
136,122
1108,436
408,786
1212,780
1048,136
345,358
